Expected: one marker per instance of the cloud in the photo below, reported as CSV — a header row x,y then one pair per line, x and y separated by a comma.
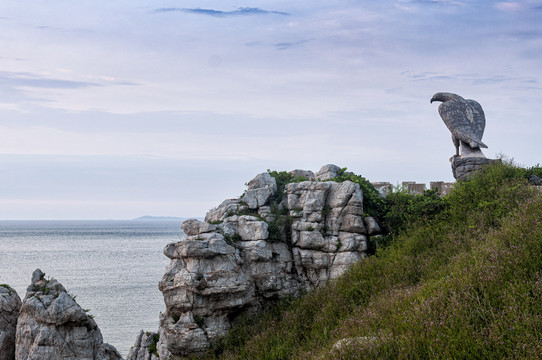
x,y
510,6
280,45
242,11
288,45
472,78
517,6
414,5
17,79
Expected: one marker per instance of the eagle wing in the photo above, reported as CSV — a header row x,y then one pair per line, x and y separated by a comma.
x,y
479,118
463,120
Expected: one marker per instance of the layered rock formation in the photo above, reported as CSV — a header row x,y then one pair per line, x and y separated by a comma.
x,y
144,347
10,303
51,325
249,252
462,168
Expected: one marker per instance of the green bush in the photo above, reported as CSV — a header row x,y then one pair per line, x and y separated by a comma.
x,y
403,209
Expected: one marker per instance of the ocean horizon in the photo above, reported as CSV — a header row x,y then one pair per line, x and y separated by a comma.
x,y
112,267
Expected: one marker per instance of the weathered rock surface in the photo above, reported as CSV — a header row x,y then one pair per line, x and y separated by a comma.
x,y
51,325
327,172
462,168
260,189
10,303
144,347
257,252
303,174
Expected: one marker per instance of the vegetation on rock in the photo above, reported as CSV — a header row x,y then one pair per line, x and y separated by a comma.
x,y
461,278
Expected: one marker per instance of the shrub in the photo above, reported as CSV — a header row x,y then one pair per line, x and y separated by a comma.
x,y
152,346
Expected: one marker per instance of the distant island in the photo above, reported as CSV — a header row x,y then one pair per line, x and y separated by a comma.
x,y
159,218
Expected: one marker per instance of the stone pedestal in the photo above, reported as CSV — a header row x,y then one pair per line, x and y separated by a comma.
x,y
463,167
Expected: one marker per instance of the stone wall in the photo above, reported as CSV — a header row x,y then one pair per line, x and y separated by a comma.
x,y
443,188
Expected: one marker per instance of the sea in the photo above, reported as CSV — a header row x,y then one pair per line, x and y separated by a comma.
x,y
112,267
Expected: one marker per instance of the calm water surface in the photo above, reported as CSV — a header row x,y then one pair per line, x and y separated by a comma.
x,y
113,267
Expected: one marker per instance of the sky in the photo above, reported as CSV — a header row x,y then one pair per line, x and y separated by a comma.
x,y
119,109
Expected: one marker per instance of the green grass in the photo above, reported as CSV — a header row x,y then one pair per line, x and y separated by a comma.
x,y
463,283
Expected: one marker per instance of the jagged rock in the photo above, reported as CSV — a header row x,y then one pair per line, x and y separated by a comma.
x,y
260,189
303,174
224,210
327,172
352,242
342,261
196,227
310,240
371,225
262,180
51,325
462,168
250,228
144,347
198,249
10,303
183,336
218,272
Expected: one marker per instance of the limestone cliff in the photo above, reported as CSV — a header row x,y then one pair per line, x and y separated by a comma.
x,y
249,252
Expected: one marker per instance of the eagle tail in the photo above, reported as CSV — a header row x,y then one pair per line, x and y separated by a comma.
x,y
476,143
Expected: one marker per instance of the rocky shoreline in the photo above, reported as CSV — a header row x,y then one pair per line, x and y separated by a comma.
x,y
276,241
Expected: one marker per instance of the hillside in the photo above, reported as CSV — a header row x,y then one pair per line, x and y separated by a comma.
x,y
458,278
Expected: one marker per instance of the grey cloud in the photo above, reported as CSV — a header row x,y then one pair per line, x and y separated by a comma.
x,y
242,11
438,2
279,46
29,80
288,45
472,78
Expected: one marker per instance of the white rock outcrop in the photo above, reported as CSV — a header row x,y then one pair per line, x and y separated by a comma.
x,y
51,325
255,252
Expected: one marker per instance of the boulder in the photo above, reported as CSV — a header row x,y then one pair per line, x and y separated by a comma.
x,y
327,172
144,347
225,209
193,227
262,180
10,303
303,174
260,189
251,228
462,168
52,325
371,225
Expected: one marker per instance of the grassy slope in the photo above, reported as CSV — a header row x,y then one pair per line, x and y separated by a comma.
x,y
467,284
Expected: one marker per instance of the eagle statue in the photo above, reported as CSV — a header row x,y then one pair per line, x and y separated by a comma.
x,y
466,121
